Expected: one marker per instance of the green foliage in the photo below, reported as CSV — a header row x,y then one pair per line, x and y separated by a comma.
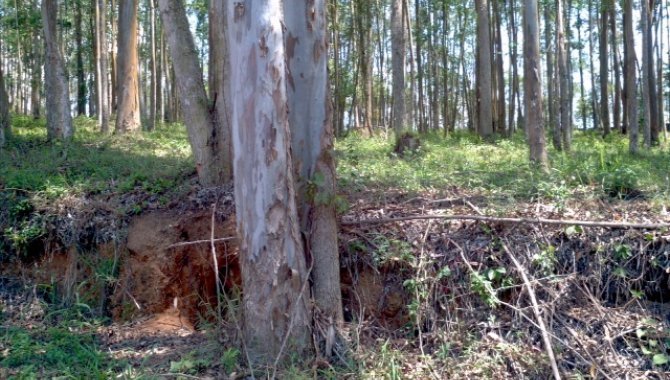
x,y
54,352
602,167
230,359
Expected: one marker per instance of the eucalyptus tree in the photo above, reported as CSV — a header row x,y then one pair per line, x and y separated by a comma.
x,y
102,65
533,85
128,96
483,65
5,120
399,115
564,75
211,159
630,86
604,68
59,119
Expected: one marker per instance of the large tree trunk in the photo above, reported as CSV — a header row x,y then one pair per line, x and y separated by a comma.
x,y
59,119
399,119
274,272
312,149
102,65
128,96
219,80
199,119
483,63
630,93
533,84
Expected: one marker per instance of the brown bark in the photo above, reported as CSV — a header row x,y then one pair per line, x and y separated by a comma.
x,y
399,117
604,69
128,96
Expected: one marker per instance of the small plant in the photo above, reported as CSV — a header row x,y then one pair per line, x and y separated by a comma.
x,y
229,359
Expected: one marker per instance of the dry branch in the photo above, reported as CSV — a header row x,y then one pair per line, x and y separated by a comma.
x,y
485,218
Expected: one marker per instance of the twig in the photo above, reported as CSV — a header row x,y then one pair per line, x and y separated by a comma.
x,y
216,265
485,218
209,241
536,311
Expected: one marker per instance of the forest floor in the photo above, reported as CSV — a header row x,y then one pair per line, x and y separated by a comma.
x,y
423,298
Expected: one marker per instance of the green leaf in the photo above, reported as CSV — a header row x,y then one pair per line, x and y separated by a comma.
x,y
660,359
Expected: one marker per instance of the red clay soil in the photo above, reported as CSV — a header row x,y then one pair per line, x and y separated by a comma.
x,y
156,277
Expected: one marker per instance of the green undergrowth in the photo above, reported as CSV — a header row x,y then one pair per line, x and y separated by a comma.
x,y
594,166
92,162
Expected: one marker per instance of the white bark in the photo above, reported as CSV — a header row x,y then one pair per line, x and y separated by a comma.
x,y
272,257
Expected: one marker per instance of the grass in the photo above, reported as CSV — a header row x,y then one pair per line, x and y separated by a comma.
x,y
92,163
594,166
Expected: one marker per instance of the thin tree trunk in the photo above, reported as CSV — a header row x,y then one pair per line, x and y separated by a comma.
x,y
553,93
399,119
594,98
5,120
59,119
128,102
102,65
274,272
483,63
564,75
604,69
79,60
631,82
533,85
152,67
36,80
616,114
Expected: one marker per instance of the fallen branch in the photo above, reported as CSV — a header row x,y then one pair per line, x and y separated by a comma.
x,y
538,315
208,241
485,218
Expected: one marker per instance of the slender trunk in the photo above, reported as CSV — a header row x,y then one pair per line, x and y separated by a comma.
x,y
5,121
274,272
59,119
399,119
552,92
594,98
483,63
604,69
565,98
616,114
630,78
500,72
153,67
79,60
102,66
533,85
514,43
36,81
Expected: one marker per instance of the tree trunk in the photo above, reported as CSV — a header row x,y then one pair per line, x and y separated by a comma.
x,y
5,121
219,80
399,119
79,60
153,83
102,65
499,71
59,119
312,149
36,80
199,119
533,85
483,63
604,70
274,272
616,114
128,97
649,77
553,92
564,75
630,79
